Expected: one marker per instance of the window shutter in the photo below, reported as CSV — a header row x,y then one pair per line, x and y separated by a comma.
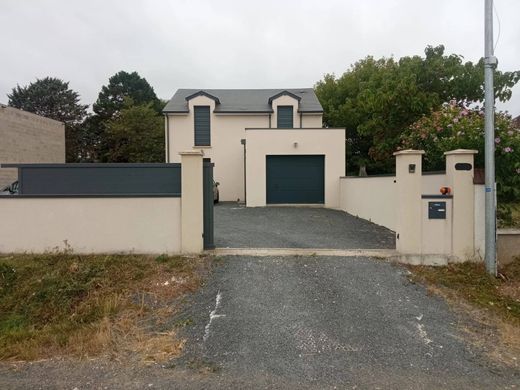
x,y
202,126
285,117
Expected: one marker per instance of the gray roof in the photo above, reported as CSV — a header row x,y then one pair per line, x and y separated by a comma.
x,y
244,100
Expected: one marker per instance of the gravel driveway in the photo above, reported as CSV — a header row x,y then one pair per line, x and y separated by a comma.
x,y
307,322
297,323
296,227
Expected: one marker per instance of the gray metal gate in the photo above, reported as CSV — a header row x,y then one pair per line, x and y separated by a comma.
x,y
209,242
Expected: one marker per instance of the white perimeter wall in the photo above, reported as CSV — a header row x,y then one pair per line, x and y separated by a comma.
x,y
370,198
431,184
374,198
91,225
480,217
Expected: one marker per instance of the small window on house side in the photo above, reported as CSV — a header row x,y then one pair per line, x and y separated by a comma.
x,y
202,126
284,118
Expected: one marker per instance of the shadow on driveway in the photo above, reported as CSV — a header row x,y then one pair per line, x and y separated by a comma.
x,y
296,227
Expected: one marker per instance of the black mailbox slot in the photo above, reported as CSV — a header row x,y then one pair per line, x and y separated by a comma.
x,y
463,167
436,210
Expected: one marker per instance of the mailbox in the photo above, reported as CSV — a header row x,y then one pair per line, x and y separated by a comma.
x,y
436,210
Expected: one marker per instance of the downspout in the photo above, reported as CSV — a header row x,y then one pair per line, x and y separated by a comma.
x,y
243,142
167,138
269,120
301,119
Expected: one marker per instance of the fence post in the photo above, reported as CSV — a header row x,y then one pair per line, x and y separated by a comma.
x,y
408,169
192,202
459,175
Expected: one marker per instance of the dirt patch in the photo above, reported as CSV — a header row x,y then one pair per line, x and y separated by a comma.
x,y
82,306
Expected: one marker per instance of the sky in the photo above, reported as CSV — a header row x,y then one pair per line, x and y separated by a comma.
x,y
236,43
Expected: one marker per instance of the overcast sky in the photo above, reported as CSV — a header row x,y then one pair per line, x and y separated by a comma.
x,y
235,44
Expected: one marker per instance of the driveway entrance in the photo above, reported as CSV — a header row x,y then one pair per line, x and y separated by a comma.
x,y
296,227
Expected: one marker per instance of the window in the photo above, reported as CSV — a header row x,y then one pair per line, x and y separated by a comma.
x,y
284,118
202,126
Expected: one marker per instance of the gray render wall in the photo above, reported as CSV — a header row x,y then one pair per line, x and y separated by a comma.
x,y
28,138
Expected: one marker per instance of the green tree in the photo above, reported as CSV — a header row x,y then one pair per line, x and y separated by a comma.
x,y
376,99
49,97
135,135
88,140
121,87
52,98
454,127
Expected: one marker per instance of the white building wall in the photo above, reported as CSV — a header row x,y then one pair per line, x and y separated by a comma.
x,y
263,142
225,151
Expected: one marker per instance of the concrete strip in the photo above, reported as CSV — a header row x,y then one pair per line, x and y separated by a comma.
x,y
379,253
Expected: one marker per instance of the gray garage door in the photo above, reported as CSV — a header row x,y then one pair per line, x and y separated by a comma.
x,y
295,179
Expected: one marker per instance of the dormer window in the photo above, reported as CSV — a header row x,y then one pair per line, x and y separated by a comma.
x,y
202,126
284,117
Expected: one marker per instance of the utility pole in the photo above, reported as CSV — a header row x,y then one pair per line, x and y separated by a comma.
x,y
490,63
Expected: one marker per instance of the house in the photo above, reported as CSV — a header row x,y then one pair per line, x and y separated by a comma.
x,y
268,145
28,138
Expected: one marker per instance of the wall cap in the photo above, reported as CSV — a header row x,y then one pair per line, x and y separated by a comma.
x,y
507,232
409,152
192,153
461,151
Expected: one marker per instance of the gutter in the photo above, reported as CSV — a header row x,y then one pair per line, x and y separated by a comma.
x,y
167,138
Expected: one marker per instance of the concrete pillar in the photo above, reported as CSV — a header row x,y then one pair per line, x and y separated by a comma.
x,y
408,167
192,201
459,176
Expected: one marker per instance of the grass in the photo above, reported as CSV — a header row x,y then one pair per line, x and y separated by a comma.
x,y
66,304
493,304
471,282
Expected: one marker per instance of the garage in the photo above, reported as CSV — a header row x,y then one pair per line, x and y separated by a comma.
x,y
296,179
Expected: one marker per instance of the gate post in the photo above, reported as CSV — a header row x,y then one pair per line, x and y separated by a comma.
x,y
408,169
459,175
209,237
192,202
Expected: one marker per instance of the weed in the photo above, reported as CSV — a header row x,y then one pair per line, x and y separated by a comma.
x,y
66,304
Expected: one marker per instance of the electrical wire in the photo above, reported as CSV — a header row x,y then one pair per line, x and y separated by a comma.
x,y
499,29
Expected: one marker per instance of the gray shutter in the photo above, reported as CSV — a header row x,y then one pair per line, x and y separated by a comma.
x,y
285,117
202,126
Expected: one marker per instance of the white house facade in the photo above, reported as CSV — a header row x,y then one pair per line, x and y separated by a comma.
x,y
269,146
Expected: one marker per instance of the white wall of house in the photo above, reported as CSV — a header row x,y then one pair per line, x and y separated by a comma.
x,y
373,198
91,225
227,130
286,100
263,142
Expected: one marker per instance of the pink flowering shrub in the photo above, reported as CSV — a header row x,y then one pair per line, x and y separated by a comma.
x,y
454,127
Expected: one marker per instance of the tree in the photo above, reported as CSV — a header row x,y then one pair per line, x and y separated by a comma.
x,y
376,99
52,98
454,127
87,141
121,87
136,135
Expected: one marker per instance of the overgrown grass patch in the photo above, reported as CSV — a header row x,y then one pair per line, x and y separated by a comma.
x,y
471,282
489,307
66,304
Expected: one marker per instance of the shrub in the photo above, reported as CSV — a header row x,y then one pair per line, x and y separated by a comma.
x,y
455,127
